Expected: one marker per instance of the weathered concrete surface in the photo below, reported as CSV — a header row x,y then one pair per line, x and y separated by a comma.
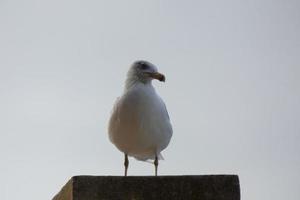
x,y
207,187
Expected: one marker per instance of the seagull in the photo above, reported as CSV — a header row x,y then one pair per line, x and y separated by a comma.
x,y
139,125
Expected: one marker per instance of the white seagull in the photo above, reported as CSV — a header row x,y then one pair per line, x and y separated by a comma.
x,y
139,125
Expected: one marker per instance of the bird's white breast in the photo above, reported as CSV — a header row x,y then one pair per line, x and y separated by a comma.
x,y
140,125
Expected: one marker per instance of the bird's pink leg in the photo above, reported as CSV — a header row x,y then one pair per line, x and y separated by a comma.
x,y
126,163
156,165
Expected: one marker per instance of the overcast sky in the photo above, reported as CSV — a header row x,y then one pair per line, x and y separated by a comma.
x,y
232,90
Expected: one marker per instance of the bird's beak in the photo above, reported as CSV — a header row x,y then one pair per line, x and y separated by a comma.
x,y
157,76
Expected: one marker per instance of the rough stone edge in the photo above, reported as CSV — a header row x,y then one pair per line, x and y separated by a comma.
x,y
74,178
238,185
66,193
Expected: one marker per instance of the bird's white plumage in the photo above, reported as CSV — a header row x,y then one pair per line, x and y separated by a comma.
x,y
139,125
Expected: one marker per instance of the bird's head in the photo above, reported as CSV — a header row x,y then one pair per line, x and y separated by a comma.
x,y
145,72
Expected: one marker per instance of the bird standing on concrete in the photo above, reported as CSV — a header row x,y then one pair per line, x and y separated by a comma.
x,y
139,125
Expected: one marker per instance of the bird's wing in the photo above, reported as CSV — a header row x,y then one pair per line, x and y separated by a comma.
x,y
164,107
114,118
166,110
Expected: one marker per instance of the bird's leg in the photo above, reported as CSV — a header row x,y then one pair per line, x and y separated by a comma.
x,y
126,163
156,165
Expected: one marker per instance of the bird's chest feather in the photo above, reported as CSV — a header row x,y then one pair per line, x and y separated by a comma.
x,y
142,122
142,105
142,109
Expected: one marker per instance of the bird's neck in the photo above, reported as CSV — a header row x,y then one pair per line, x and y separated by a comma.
x,y
133,81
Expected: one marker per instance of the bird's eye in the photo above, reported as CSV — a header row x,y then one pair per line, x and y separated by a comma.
x,y
143,66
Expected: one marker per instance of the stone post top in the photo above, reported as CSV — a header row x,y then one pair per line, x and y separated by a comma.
x,y
194,187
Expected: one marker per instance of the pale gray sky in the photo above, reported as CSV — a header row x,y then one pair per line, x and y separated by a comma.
x,y
232,90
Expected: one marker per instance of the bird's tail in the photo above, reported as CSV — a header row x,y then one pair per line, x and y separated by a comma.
x,y
149,158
